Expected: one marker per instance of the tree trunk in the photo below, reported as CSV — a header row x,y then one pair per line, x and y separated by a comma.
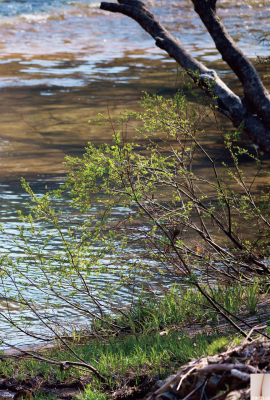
x,y
253,109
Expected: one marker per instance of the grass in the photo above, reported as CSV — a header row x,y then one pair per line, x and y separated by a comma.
x,y
252,294
129,355
190,306
151,353
92,394
142,350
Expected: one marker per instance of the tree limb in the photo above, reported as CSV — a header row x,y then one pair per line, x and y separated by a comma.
x,y
254,90
226,101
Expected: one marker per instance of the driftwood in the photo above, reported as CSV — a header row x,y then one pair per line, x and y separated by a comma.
x,y
253,109
223,376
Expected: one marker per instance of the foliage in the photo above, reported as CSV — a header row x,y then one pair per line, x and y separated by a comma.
x,y
141,214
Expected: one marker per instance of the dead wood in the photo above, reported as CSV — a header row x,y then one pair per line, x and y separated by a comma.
x,y
207,376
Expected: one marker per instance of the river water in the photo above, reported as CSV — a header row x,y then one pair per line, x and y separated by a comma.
x,y
62,62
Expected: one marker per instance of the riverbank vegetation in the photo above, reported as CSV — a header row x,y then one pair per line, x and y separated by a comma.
x,y
154,260
159,338
154,344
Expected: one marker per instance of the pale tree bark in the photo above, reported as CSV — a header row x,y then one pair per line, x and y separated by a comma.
x,y
253,109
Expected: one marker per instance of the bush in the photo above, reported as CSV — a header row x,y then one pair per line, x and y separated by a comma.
x,y
141,214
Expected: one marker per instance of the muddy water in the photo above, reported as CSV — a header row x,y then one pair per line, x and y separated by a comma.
x,y
62,62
